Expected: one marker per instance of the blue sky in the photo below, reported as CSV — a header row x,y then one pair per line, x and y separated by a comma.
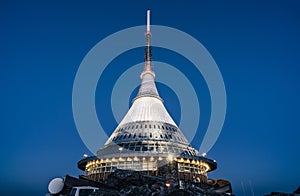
x,y
254,43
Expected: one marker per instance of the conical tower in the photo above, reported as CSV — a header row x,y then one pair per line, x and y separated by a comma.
x,y
147,139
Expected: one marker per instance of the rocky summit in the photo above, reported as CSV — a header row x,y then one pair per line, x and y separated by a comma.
x,y
124,182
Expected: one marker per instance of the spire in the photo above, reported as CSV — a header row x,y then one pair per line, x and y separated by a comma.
x,y
148,21
148,88
148,49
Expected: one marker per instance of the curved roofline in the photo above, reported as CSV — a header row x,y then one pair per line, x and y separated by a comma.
x,y
212,163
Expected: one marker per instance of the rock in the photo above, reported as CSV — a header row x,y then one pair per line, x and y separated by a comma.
x,y
130,183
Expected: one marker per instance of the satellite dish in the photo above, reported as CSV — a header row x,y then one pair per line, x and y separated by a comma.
x,y
56,185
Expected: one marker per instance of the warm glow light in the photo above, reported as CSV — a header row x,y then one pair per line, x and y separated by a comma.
x,y
205,165
170,157
168,184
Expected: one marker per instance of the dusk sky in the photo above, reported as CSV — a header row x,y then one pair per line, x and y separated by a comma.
x,y
254,43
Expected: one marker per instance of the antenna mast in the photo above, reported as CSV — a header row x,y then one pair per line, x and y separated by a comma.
x,y
148,49
148,22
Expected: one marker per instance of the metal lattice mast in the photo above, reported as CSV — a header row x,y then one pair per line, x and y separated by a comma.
x,y
148,49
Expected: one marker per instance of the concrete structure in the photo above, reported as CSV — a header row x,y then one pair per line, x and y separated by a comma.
x,y
147,139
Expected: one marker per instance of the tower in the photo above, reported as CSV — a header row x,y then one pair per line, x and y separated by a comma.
x,y
147,139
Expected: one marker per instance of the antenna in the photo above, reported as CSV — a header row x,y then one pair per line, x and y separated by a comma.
x,y
148,50
148,21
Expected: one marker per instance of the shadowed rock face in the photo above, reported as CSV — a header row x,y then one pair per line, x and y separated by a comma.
x,y
124,182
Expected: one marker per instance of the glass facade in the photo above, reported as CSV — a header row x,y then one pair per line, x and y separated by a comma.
x,y
147,147
146,130
188,169
129,164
